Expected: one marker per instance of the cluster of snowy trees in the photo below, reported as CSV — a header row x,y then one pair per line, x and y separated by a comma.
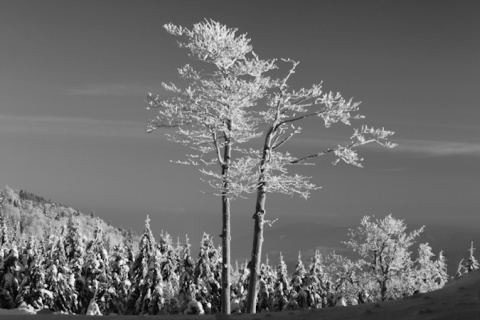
x,y
65,272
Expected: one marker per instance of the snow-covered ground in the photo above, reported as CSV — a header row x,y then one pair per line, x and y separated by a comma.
x,y
459,299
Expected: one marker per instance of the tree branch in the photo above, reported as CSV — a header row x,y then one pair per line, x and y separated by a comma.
x,y
279,144
298,118
349,146
313,155
217,148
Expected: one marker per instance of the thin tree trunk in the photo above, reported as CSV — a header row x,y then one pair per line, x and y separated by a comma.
x,y
259,217
255,261
226,232
226,237
383,289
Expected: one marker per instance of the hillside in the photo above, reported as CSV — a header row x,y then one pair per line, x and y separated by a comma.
x,y
30,214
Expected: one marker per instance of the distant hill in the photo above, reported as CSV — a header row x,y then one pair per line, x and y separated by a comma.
x,y
30,214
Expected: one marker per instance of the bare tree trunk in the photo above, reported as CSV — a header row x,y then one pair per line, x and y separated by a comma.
x,y
226,232
255,261
226,237
259,217
383,289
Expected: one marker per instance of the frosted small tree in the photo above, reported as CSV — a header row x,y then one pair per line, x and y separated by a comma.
x,y
186,276
211,114
299,273
385,245
472,263
144,270
429,274
74,243
205,273
281,286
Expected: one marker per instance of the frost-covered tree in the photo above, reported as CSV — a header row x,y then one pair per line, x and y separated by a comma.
x,y
170,265
61,282
144,273
429,274
281,286
285,109
32,289
472,263
441,266
213,115
9,282
121,259
212,112
267,281
317,282
344,279
186,282
74,244
385,246
297,283
94,280
299,273
151,287
5,233
56,248
31,261
206,274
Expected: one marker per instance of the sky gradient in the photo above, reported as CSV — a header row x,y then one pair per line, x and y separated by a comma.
x,y
74,75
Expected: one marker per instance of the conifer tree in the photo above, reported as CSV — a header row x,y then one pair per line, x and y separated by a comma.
x,y
74,246
129,239
9,282
428,274
472,262
267,282
317,282
146,250
32,289
298,274
120,262
5,238
151,290
186,276
205,274
56,247
60,283
268,273
441,266
93,279
146,276
170,268
298,283
281,286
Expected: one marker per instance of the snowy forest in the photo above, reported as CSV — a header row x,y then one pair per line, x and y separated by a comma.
x,y
80,267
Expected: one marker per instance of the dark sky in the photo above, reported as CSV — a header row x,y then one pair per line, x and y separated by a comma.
x,y
74,74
